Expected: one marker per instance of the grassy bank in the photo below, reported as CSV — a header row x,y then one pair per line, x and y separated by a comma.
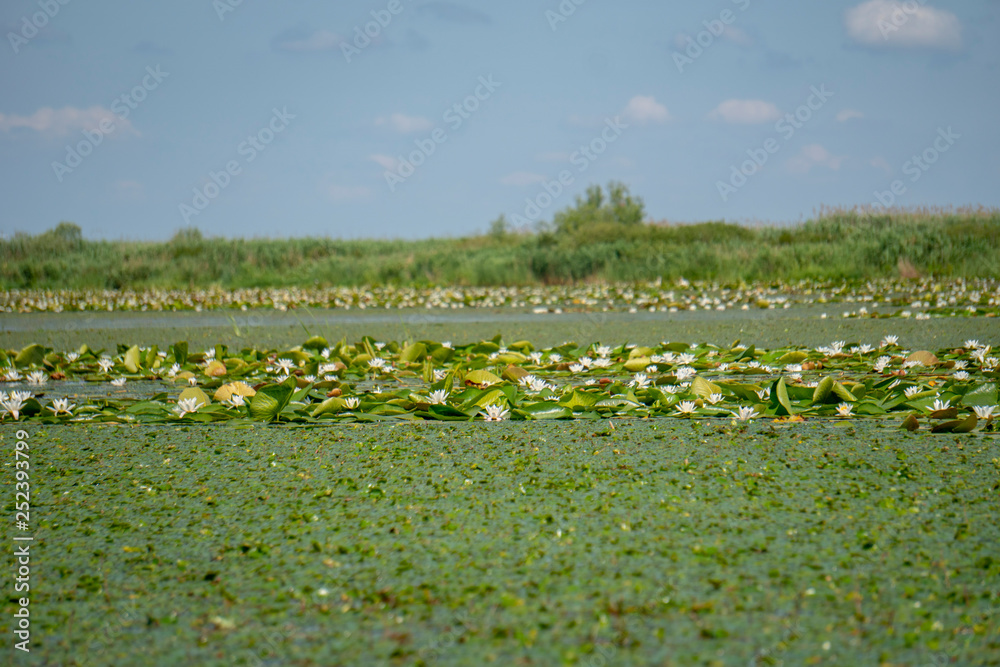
x,y
837,244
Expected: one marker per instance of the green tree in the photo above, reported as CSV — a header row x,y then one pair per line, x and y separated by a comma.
x,y
618,206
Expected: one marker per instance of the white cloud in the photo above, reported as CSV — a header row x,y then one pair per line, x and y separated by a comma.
x,y
880,162
404,124
61,122
320,40
847,114
882,23
645,109
522,178
385,161
746,112
811,156
346,192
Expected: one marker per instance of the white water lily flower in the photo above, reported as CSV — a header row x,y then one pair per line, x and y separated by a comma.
x,y
603,351
960,364
603,362
555,357
715,399
186,406
61,406
984,411
72,356
745,413
194,381
577,368
106,364
326,352
377,362
961,375
210,354
174,370
881,363
685,372
844,410
495,413
940,405
438,397
971,344
888,340
284,366
13,404
352,402
12,375
586,362
37,378
639,381
686,358
687,407
536,357
440,374
120,382
763,394
235,401
910,391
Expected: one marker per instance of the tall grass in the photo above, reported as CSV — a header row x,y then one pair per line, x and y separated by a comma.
x,y
836,244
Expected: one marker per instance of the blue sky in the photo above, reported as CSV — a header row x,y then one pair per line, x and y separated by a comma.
x,y
257,119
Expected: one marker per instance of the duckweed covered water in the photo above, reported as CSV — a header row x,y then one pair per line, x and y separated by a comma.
x,y
580,543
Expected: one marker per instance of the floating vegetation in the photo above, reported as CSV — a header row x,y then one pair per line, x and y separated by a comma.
x,y
875,298
952,389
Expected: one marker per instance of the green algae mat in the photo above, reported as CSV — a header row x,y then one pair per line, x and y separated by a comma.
x,y
610,542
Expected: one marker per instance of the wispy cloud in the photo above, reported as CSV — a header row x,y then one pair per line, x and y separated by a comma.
x,y
404,124
847,114
51,122
885,23
522,178
745,112
811,156
298,40
384,161
645,109
129,190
